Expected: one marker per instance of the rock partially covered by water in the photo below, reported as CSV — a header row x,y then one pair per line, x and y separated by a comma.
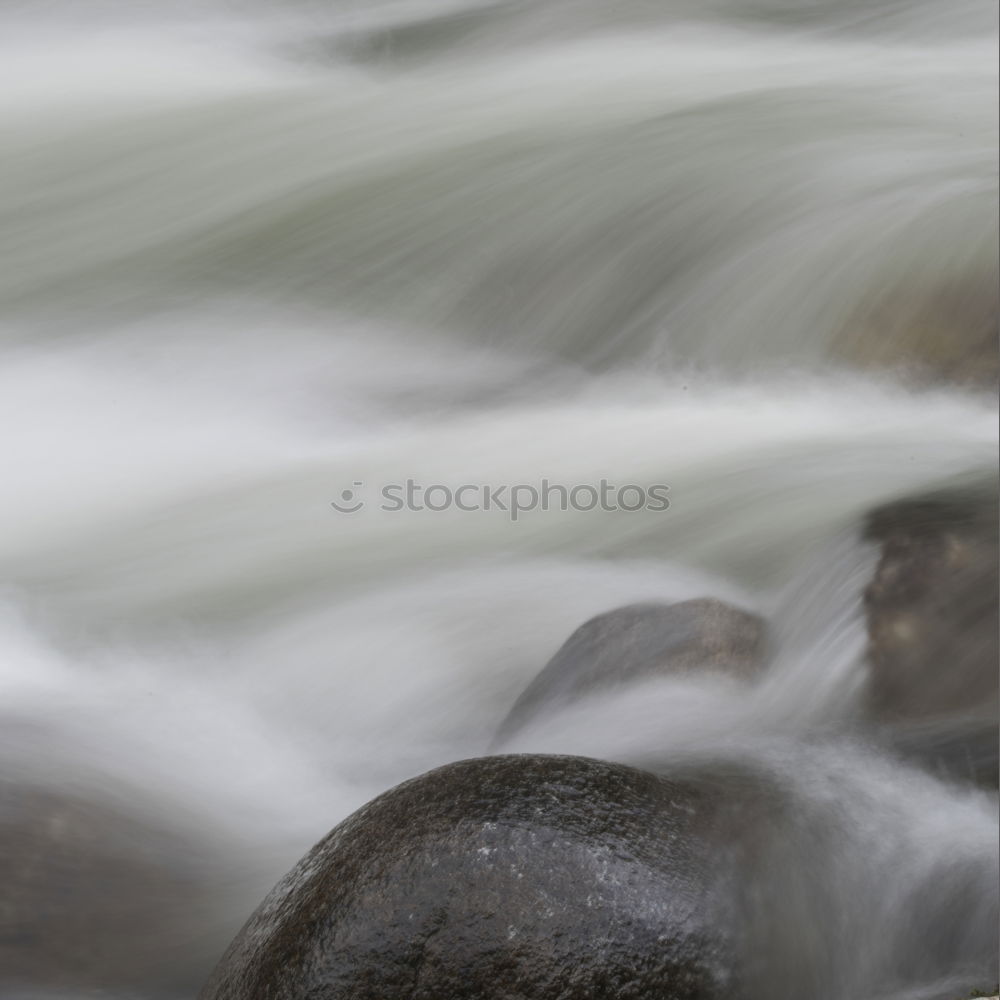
x,y
94,897
535,877
942,330
932,623
637,642
561,877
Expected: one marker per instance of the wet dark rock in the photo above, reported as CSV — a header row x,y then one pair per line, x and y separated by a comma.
x,y
637,642
932,611
507,877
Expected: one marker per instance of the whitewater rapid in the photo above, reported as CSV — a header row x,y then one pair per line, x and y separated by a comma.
x,y
254,257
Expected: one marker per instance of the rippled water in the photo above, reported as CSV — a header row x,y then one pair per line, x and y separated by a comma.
x,y
256,255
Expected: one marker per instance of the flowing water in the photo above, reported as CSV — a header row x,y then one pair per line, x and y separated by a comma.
x,y
255,256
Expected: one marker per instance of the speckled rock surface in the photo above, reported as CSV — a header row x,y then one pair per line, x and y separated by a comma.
x,y
640,641
514,877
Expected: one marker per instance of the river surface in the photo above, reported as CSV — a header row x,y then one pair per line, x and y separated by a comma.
x,y
258,259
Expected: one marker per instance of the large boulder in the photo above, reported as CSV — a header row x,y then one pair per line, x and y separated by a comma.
x,y
932,622
637,642
515,877
536,878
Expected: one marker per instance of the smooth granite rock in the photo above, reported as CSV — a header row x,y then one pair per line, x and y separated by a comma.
x,y
640,641
514,877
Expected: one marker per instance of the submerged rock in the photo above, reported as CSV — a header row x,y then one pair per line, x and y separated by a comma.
x,y
944,330
932,611
637,642
509,877
96,898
